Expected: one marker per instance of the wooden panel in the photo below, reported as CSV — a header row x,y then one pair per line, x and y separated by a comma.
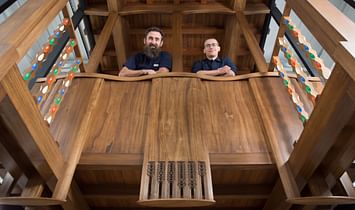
x,y
121,118
72,110
234,124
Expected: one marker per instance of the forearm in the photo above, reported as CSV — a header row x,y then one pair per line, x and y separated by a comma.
x,y
125,72
209,72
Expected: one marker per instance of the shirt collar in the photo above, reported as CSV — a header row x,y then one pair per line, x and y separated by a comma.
x,y
217,59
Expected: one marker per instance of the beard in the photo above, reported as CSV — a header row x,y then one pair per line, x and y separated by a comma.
x,y
151,50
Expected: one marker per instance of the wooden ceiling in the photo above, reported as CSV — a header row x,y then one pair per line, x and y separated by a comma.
x,y
186,25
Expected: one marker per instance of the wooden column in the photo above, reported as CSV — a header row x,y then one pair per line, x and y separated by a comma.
x,y
233,32
177,42
119,33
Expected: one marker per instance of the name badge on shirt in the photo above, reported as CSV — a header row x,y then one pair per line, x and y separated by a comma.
x,y
156,65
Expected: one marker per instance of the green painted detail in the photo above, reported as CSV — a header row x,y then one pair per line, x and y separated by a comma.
x,y
286,83
311,55
308,89
52,41
303,119
72,43
55,72
58,100
27,76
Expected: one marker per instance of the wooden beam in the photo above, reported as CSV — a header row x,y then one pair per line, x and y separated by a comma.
x,y
233,32
327,24
27,124
104,161
322,129
212,7
33,122
253,44
256,9
31,20
78,144
119,33
231,38
8,57
178,43
101,44
123,191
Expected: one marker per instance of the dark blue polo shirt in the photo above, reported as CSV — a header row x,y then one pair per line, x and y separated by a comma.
x,y
207,64
141,61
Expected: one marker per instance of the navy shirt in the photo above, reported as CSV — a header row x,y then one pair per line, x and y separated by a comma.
x,y
207,64
141,61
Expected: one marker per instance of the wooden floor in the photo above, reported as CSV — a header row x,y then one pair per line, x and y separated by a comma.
x,y
226,115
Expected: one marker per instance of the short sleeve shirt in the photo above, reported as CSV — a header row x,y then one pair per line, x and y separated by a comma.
x,y
207,64
141,61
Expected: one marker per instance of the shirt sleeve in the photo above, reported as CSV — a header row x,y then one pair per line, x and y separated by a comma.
x,y
165,60
131,63
197,66
228,62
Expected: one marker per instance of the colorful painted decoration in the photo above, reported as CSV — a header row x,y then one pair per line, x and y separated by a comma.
x,y
301,75
58,98
307,48
47,48
303,115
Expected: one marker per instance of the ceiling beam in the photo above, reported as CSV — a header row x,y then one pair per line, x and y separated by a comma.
x,y
101,10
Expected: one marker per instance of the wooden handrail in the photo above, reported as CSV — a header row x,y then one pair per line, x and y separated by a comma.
x,y
180,74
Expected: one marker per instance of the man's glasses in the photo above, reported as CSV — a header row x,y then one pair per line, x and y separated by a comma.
x,y
211,45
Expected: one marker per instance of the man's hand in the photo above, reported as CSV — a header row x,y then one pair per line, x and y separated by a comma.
x,y
224,70
148,71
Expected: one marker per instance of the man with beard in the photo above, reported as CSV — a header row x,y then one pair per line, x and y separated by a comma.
x,y
152,60
213,65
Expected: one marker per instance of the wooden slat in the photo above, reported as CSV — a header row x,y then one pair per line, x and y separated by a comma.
x,y
101,44
322,200
178,43
252,43
77,146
